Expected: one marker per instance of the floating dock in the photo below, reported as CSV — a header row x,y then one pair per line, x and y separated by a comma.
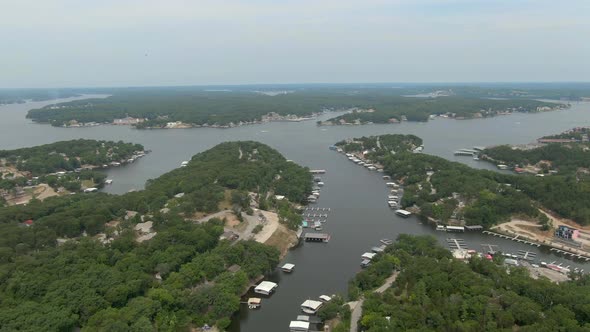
x,y
490,248
316,237
567,253
456,243
513,238
527,255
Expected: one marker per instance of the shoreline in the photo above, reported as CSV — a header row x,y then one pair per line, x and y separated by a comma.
x,y
337,122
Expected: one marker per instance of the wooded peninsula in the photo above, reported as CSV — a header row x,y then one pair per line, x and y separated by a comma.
x,y
60,168
453,193
186,107
434,292
144,260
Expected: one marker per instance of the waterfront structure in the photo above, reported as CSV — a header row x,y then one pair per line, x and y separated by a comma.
x,y
266,287
311,306
566,232
403,213
288,267
317,237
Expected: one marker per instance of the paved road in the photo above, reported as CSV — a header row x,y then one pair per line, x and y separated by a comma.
x,y
357,312
356,315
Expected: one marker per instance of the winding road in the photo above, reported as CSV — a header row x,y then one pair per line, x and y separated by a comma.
x,y
357,312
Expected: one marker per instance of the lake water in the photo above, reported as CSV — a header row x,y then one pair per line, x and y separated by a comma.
x,y
359,214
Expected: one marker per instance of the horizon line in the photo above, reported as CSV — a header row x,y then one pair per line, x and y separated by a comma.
x,y
287,84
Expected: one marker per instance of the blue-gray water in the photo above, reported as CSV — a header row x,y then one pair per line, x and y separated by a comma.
x,y
357,197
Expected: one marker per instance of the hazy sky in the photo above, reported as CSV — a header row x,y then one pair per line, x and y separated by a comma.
x,y
68,43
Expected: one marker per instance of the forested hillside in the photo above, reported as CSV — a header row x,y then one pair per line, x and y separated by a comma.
x,y
434,292
383,143
104,278
197,107
68,155
420,109
564,158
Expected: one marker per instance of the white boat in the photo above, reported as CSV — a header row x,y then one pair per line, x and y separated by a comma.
x,y
311,306
254,302
321,184
441,228
502,166
298,326
184,164
108,181
303,318
325,298
288,267
266,288
371,168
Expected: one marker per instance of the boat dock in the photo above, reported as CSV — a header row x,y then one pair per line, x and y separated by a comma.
x,y
567,253
312,215
490,248
317,171
456,243
513,238
316,237
527,255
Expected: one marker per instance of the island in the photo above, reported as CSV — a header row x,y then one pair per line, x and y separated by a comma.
x,y
164,258
550,210
60,168
192,107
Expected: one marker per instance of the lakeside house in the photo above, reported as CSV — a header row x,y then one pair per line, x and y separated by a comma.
x,y
566,232
127,121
